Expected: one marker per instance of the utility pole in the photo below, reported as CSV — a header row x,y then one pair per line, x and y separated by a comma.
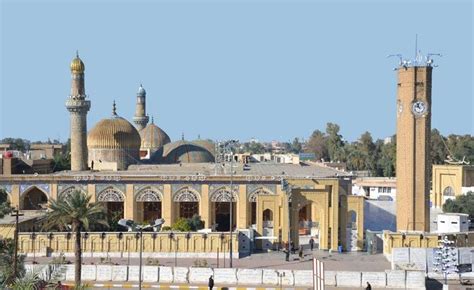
x,y
16,213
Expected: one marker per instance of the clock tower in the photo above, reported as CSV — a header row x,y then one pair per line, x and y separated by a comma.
x,y
413,147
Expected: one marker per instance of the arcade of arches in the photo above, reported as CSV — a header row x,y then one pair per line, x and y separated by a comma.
x,y
318,207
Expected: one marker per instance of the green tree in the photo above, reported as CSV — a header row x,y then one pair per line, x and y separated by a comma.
x,y
6,261
386,160
5,207
317,145
77,211
335,144
17,143
461,146
438,151
296,146
461,204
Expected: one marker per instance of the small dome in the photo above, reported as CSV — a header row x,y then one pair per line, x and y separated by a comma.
x,y
208,144
153,137
77,66
186,152
141,91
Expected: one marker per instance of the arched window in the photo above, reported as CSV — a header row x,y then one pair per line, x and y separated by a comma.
x,y
148,195
186,195
223,195
448,191
110,194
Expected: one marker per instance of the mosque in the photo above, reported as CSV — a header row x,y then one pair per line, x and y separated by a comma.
x,y
136,171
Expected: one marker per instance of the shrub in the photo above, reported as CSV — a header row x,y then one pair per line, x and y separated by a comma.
x,y
181,225
166,229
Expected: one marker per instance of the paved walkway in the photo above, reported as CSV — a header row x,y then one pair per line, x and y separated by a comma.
x,y
355,261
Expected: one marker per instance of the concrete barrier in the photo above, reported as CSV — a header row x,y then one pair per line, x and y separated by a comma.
x,y
270,277
120,273
348,279
89,273
330,278
396,278
415,279
249,276
104,272
376,279
150,273
180,274
165,274
199,275
303,277
225,276
255,277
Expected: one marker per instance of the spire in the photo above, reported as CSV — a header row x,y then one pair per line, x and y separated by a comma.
x,y
114,109
77,53
182,136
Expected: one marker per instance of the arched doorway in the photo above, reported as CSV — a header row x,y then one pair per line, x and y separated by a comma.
x,y
34,199
221,207
186,203
252,199
113,201
149,203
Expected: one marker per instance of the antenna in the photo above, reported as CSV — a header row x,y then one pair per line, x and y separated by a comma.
x,y
416,46
418,60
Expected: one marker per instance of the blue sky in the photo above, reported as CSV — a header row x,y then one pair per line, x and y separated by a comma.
x,y
273,70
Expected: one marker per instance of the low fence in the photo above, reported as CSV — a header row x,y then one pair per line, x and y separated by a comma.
x,y
422,260
253,277
118,244
423,240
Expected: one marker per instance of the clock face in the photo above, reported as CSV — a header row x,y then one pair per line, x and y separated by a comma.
x,y
419,108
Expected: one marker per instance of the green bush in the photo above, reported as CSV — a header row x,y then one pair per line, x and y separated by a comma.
x,y
181,225
196,223
462,204
166,229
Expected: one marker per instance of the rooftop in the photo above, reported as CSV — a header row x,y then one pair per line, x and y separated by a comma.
x,y
223,169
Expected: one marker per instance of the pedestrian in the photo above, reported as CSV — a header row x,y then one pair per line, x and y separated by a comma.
x,y
311,243
211,283
369,287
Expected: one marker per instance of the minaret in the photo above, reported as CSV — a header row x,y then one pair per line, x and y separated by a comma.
x,y
141,119
413,146
78,107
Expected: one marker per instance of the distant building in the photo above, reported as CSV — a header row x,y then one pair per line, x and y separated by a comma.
x,y
380,188
449,181
453,222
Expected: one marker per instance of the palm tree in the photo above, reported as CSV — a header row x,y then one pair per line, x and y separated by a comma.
x,y
77,211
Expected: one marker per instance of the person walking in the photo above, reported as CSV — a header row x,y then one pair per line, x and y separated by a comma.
x,y
369,287
211,283
311,243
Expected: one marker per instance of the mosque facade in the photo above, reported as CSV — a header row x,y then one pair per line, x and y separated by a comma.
x,y
137,172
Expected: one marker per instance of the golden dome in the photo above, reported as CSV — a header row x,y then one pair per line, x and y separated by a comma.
x,y
113,133
77,66
153,137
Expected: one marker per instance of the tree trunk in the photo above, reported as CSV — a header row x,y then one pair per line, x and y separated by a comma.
x,y
78,253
